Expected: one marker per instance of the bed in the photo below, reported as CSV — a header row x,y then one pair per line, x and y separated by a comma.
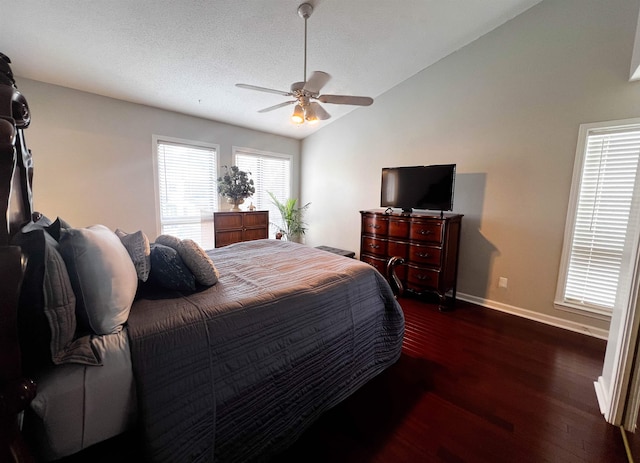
x,y
234,370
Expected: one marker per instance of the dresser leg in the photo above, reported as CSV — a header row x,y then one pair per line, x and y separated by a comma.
x,y
444,305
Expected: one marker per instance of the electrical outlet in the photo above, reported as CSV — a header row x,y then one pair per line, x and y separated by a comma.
x,y
502,282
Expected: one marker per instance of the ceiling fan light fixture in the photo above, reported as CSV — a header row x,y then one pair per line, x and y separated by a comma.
x,y
310,115
298,115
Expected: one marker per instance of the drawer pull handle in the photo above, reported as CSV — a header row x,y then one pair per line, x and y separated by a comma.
x,y
425,232
422,277
424,255
374,226
374,246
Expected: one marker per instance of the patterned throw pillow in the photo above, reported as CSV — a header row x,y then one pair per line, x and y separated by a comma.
x,y
197,260
194,257
168,270
168,240
137,245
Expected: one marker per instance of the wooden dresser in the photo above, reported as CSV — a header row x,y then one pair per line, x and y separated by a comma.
x,y
233,227
427,244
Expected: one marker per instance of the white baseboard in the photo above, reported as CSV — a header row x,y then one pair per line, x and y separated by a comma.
x,y
536,316
601,394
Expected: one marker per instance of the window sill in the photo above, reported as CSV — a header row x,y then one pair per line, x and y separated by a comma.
x,y
591,312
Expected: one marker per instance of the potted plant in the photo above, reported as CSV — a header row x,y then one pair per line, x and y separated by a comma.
x,y
235,185
292,226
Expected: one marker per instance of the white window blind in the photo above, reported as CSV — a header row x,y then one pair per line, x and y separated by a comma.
x,y
604,230
187,188
270,172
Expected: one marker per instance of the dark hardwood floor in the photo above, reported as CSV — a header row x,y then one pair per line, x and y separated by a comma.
x,y
472,385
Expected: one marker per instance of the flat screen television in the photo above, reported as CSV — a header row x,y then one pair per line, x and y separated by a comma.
x,y
418,187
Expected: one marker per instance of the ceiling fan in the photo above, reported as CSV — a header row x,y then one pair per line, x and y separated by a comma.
x,y
305,92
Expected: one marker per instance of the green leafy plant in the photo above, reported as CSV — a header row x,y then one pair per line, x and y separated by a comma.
x,y
235,184
292,226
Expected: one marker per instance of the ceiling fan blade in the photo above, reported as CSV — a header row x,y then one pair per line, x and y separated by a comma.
x,y
320,111
317,80
263,89
346,99
281,105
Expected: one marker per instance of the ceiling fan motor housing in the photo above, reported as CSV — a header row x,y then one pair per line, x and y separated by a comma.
x,y
305,10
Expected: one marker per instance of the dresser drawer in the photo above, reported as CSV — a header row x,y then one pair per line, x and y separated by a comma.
x,y
426,231
379,263
375,225
424,255
227,220
422,278
374,246
256,220
255,234
398,249
226,237
399,228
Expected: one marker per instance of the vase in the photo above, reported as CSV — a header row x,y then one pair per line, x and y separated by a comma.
x,y
235,203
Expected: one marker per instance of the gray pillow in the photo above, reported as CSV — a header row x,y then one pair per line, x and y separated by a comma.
x,y
168,240
59,308
137,245
103,277
47,307
197,260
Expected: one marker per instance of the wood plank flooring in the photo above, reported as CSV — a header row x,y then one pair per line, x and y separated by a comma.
x,y
472,385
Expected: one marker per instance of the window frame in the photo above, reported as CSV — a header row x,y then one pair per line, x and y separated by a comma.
x,y
156,140
262,153
627,265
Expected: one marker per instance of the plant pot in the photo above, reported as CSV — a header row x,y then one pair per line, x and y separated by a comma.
x,y
235,203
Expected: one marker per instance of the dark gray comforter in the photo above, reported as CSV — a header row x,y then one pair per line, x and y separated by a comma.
x,y
238,371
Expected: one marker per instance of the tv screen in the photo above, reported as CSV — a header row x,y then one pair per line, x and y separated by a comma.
x,y
418,187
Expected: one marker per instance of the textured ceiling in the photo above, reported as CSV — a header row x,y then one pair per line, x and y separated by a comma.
x,y
186,55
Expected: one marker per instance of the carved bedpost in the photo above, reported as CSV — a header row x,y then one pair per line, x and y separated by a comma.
x,y
16,209
7,168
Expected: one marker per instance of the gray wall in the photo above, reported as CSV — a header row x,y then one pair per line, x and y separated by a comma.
x,y
93,155
506,109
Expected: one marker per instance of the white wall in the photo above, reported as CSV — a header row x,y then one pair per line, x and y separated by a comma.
x,y
506,109
93,155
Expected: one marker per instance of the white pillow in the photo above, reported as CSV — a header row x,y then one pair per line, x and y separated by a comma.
x,y
102,275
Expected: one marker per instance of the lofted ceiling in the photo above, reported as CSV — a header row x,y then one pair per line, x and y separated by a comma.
x,y
187,55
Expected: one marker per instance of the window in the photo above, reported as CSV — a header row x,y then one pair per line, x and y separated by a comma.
x,y
601,235
270,173
187,189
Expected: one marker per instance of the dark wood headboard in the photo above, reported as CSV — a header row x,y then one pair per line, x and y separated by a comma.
x,y
16,173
